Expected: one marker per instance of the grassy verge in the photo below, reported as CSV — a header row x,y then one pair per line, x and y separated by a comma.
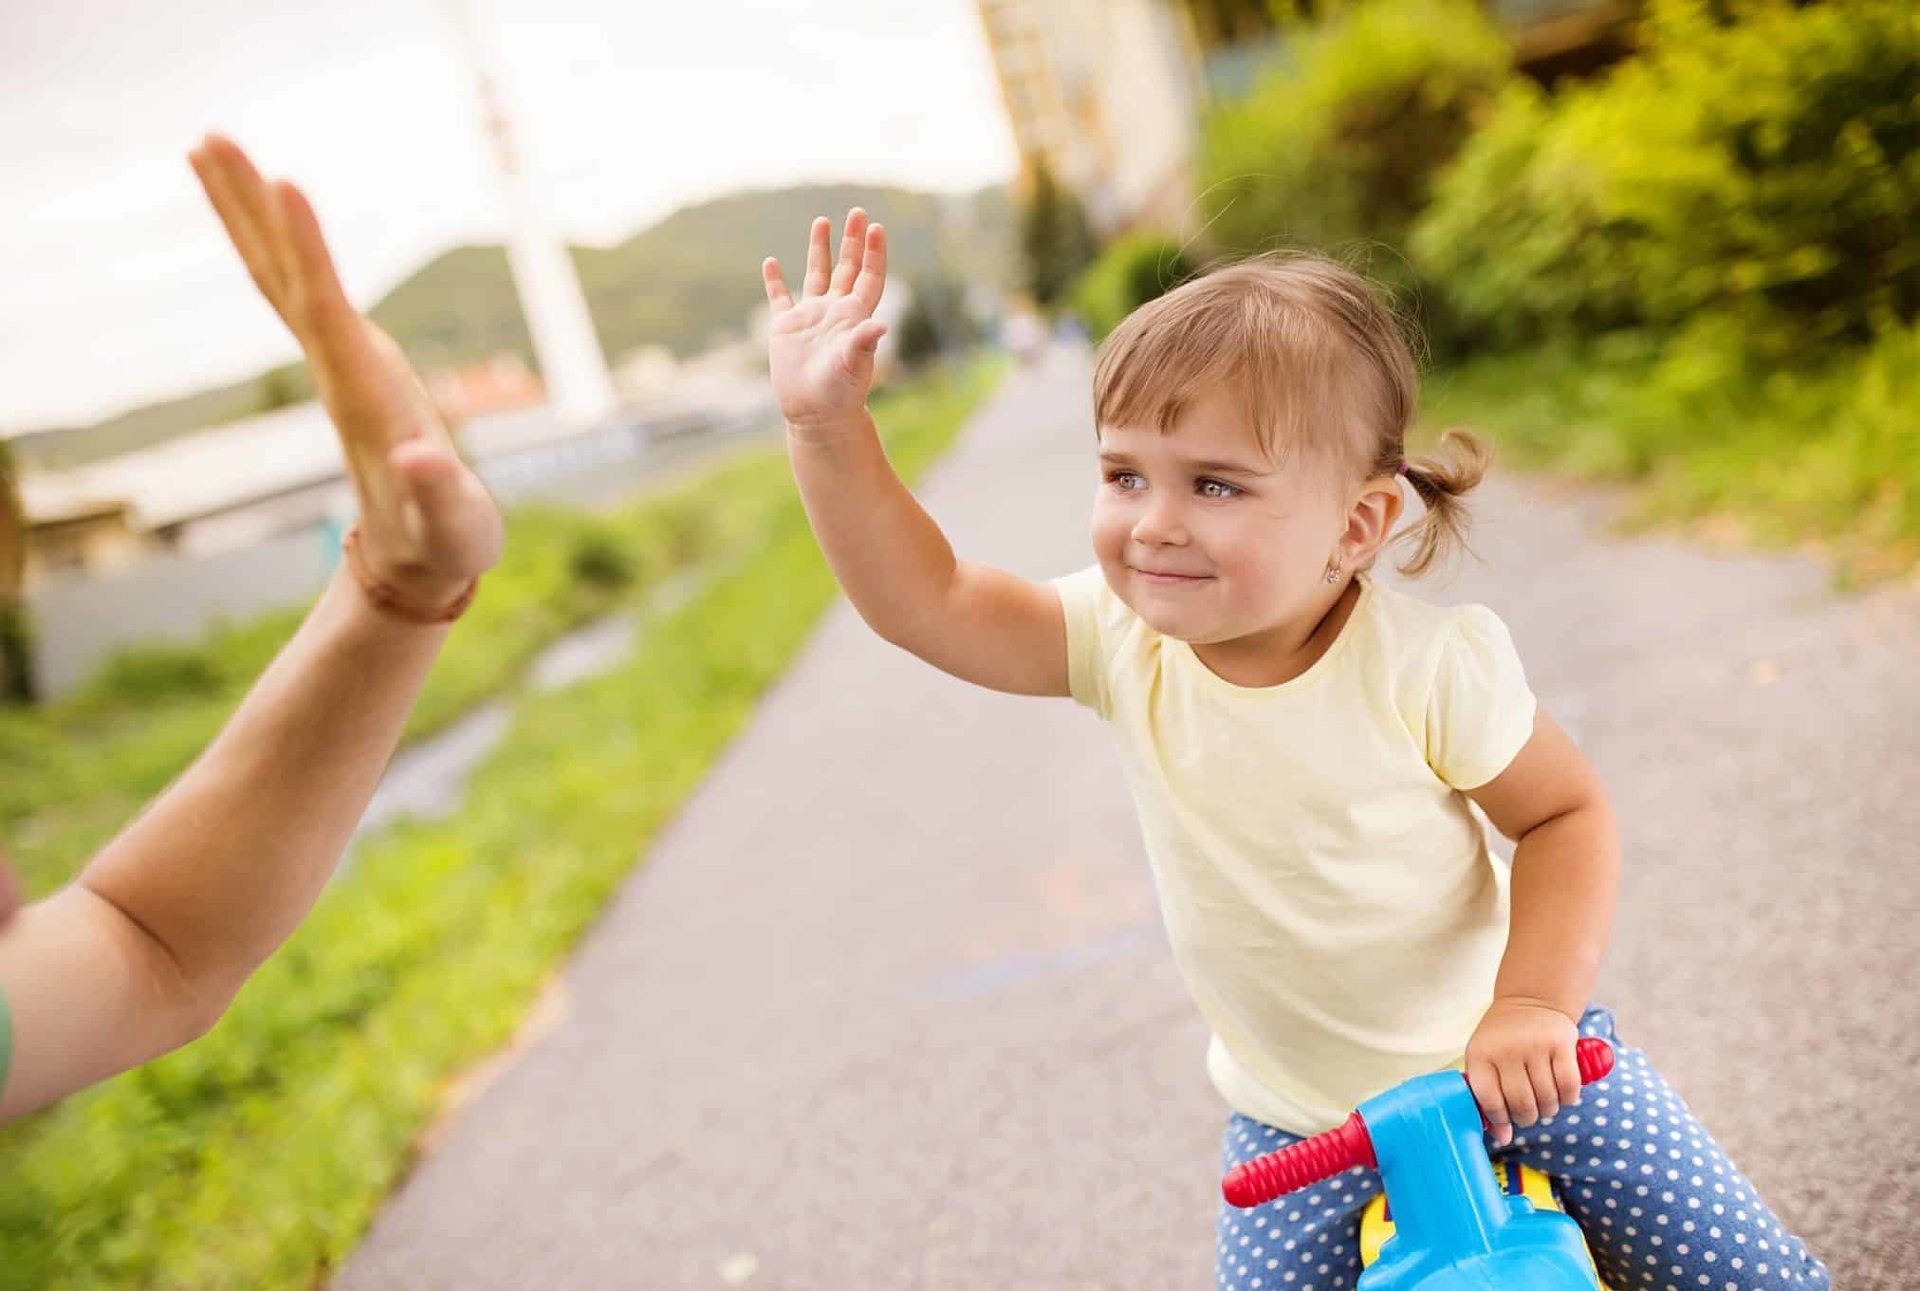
x,y
1827,456
257,1157
73,772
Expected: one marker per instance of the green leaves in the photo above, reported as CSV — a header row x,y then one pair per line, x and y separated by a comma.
x,y
1767,168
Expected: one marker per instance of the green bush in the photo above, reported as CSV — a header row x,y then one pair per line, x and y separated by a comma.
x,y
1340,143
1782,454
1129,273
599,558
1766,167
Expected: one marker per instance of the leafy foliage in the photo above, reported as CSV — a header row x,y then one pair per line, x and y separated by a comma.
x,y
1340,143
1765,168
1129,273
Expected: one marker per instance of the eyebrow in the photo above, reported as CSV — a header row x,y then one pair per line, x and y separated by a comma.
x,y
1199,468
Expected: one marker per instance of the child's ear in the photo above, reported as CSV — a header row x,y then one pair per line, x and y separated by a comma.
x,y
1371,519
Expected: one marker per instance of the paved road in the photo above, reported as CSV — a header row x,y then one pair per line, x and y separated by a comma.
x,y
888,1007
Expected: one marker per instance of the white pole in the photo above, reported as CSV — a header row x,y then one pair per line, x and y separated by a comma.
x,y
571,362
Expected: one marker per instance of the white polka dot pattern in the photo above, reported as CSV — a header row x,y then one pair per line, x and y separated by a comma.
x,y
1663,1208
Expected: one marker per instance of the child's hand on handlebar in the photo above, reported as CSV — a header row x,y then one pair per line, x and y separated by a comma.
x,y
1521,1065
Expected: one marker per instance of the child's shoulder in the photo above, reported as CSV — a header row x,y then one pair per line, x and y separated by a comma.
x,y
1414,620
1417,634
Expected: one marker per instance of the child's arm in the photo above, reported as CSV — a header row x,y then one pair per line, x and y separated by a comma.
x,y
1566,869
980,624
144,950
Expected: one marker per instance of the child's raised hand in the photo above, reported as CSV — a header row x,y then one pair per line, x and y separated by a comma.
x,y
821,347
427,525
1522,1065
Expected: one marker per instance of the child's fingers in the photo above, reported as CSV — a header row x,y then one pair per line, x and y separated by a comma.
x,y
859,347
1485,1081
1546,1092
777,294
818,243
867,288
1566,1075
1517,1087
851,243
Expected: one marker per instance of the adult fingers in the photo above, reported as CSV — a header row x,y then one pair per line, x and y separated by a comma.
x,y
230,184
777,294
851,243
867,288
316,292
818,242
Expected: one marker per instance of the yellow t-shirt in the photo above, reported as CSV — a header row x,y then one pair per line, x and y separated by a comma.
x,y
1327,890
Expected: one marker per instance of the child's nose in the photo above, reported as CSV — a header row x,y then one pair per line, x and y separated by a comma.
x,y
1160,524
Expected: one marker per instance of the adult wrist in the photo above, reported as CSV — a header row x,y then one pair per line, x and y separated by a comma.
x,y
398,603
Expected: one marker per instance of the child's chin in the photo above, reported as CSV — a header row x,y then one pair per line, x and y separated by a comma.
x,y
1190,628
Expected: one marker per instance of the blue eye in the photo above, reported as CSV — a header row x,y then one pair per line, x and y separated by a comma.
x,y
1217,490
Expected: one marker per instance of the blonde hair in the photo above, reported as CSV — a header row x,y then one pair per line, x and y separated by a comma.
x,y
1321,366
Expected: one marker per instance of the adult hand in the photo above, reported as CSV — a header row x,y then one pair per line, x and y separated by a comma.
x,y
427,525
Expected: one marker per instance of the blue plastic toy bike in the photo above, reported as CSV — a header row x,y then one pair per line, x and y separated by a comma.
x,y
1446,1223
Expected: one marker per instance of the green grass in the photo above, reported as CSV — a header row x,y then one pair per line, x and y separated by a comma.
x,y
1826,456
73,772
256,1157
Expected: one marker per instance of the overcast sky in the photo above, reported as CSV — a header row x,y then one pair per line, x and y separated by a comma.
x,y
119,288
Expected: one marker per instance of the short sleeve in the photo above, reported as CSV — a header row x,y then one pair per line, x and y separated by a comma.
x,y
1086,600
1480,710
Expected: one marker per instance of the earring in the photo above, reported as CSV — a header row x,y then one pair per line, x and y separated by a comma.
x,y
1333,571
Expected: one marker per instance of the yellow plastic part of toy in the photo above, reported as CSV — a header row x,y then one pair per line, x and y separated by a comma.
x,y
1516,1180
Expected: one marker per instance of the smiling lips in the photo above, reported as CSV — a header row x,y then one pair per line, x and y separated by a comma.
x,y
1168,578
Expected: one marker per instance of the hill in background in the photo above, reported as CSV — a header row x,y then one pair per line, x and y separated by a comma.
x,y
679,283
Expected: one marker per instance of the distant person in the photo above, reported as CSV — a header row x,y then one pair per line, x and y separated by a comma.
x,y
1070,330
1304,745
145,949
1024,335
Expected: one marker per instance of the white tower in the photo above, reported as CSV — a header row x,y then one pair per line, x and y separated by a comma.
x,y
571,364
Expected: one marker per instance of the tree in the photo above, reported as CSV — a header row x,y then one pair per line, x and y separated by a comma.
x,y
1055,238
937,322
1217,23
16,682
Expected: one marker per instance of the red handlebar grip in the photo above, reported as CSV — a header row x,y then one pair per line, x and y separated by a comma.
x,y
1300,1166
1595,1057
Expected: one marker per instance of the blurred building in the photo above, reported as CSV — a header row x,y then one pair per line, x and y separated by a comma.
x,y
1105,95
216,489
503,383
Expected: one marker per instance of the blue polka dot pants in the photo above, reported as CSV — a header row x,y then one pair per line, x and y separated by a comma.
x,y
1663,1208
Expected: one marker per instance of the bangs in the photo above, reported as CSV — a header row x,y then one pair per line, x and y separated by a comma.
x,y
1239,330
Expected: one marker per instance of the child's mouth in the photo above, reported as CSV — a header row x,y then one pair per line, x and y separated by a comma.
x,y
1167,578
